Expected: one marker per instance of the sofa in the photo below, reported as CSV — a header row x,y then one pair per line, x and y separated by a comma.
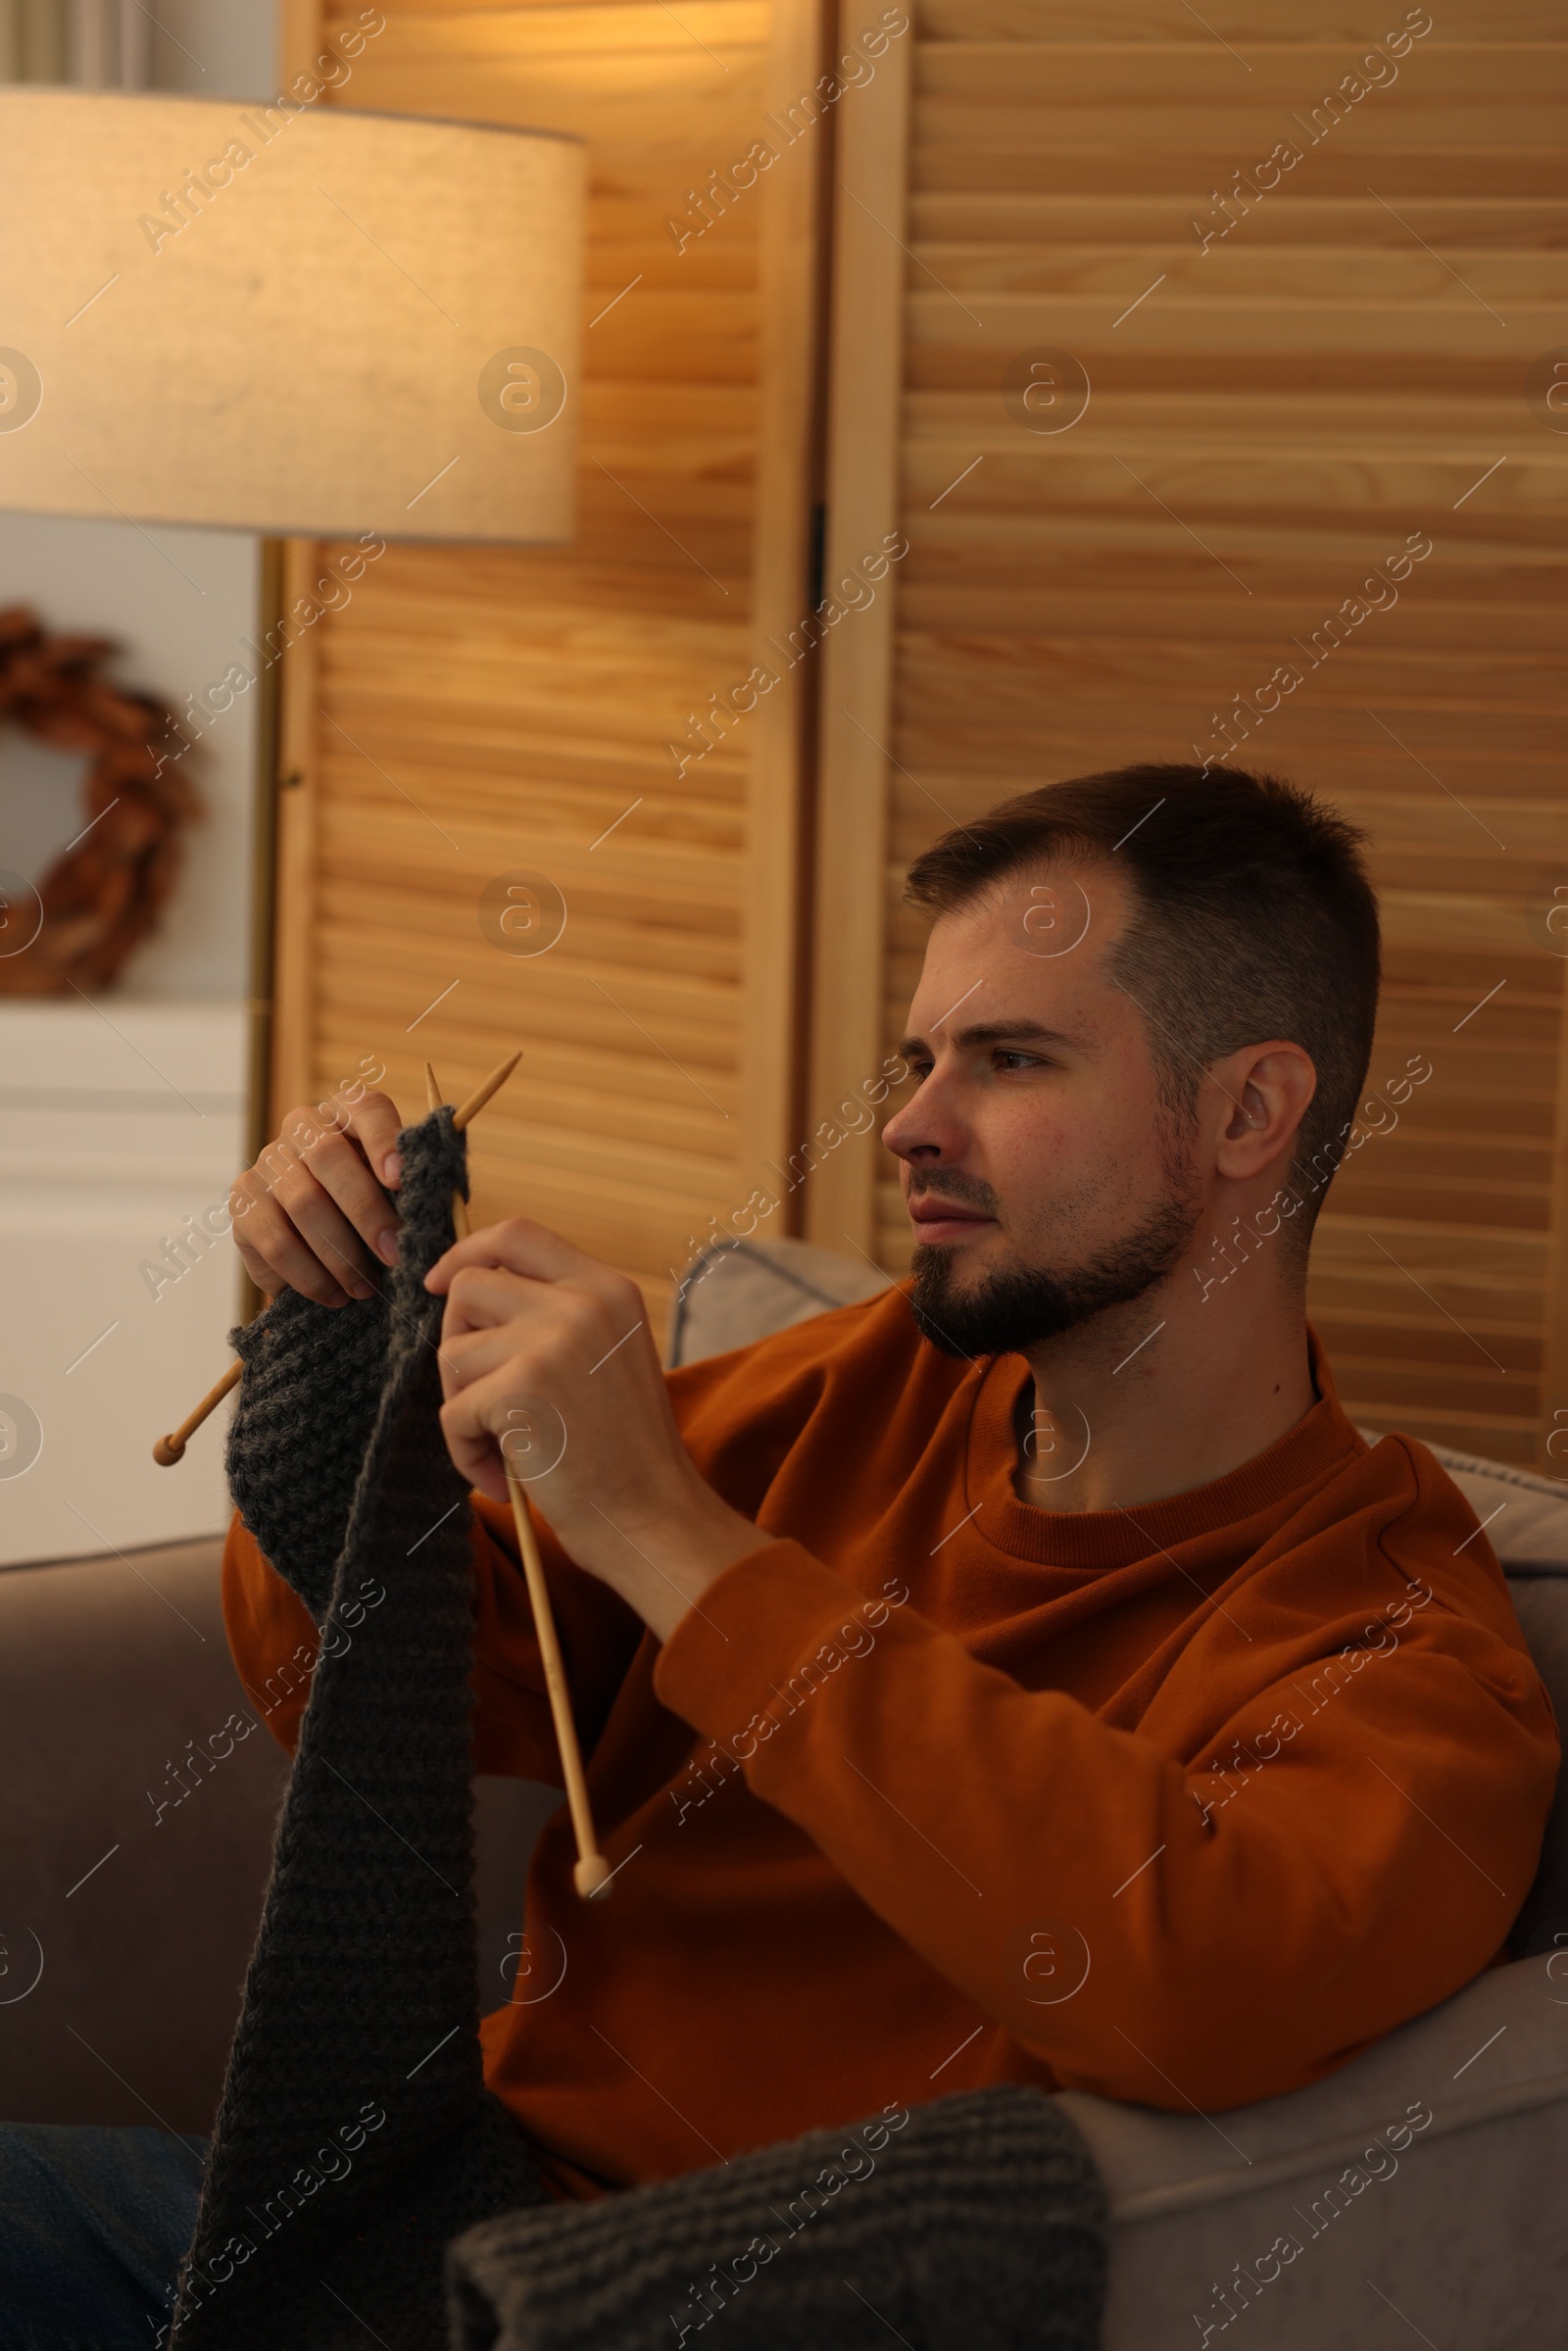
x,y
133,1881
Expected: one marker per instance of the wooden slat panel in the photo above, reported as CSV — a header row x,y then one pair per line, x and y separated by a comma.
x,y
1274,410
478,712
1352,22
1080,217
1006,76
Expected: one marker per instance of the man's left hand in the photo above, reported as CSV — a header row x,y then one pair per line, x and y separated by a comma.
x,y
547,1360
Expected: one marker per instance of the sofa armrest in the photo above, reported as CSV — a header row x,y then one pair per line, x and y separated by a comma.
x,y
141,1922
1453,2227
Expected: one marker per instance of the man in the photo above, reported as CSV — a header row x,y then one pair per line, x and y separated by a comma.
x,y
1028,1675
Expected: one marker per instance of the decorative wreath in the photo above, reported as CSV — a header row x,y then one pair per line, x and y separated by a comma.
x,y
105,893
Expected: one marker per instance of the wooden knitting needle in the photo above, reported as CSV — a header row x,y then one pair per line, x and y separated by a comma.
x,y
592,1872
171,1449
475,1103
481,1094
591,1875
168,1451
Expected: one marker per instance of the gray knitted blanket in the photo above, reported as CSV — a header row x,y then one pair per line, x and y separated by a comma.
x,y
363,2184
976,2222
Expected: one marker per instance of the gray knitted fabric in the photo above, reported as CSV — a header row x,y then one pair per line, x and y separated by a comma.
x,y
291,1472
356,2142
979,2226
309,1400
317,2219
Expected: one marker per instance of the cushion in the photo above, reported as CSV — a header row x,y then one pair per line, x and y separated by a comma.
x,y
1413,2176
1541,1606
1526,1516
1525,1520
740,1291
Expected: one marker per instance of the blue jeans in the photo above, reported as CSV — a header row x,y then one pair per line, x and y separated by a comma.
x,y
93,2225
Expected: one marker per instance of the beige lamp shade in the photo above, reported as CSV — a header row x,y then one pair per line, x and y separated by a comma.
x,y
287,318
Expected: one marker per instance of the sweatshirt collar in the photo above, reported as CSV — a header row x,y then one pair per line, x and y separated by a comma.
x,y
1095,1540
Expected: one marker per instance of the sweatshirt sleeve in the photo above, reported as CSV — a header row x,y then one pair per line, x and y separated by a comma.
x,y
274,1645
273,1638
1155,1927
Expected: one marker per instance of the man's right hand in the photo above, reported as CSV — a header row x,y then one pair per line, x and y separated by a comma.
x,y
313,1213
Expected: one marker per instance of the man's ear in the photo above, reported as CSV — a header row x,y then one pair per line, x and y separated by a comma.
x,y
1269,1088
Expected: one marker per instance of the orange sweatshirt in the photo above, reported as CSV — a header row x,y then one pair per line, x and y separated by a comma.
x,y
1184,1804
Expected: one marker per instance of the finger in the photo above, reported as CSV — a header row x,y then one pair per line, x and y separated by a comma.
x,y
376,1124
565,1322
474,1354
320,1223
271,1240
539,1351
339,1164
520,1245
261,1273
373,1120
465,1419
270,1244
483,1296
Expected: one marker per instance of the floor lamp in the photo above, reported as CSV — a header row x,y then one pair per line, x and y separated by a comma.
x,y
301,320
287,318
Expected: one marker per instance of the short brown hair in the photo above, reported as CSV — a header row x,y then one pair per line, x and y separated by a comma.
x,y
1254,918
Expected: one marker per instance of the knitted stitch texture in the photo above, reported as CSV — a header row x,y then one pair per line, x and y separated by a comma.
x,y
978,2225
355,2136
308,1404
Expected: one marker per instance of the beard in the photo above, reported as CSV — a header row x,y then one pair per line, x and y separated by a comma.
x,y
1018,1306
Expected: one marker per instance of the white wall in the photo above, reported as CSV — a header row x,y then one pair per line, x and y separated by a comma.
x,y
214,48
180,602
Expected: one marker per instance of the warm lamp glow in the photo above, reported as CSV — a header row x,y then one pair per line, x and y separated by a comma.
x,y
287,318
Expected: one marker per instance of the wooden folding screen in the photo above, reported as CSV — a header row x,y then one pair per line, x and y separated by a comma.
x,y
1309,260
476,712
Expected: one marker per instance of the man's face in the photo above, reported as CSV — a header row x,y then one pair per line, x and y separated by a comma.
x,y
1047,1181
